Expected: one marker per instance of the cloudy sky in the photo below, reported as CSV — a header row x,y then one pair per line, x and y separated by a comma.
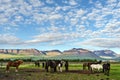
x,y
60,24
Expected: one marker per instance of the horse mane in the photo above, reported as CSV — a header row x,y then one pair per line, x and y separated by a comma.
x,y
99,62
19,61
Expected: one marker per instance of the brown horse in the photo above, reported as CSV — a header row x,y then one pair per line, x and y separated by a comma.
x,y
87,64
13,64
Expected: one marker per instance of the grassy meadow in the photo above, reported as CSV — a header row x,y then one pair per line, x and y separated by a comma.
x,y
28,71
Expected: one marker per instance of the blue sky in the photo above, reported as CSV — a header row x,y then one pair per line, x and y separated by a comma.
x,y
60,24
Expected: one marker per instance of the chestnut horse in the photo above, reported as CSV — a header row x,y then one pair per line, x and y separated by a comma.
x,y
13,64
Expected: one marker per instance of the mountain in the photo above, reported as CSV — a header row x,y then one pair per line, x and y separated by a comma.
x,y
75,53
53,52
108,54
21,51
82,53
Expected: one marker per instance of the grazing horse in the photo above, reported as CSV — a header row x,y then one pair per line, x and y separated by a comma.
x,y
60,66
37,63
13,64
87,64
106,68
96,67
66,66
52,64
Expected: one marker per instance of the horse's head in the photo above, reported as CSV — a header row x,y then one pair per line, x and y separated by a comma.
x,y
20,61
100,62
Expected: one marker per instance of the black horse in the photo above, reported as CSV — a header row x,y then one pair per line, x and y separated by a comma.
x,y
66,66
37,63
87,64
52,64
106,68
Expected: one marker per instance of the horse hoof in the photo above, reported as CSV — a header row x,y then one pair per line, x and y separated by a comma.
x,y
16,70
7,71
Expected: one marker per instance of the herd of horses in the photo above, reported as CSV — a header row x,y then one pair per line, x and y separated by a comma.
x,y
92,66
53,64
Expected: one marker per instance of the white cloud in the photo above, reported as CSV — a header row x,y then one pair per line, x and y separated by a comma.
x,y
36,3
72,2
49,1
103,42
70,21
7,39
111,1
56,36
46,37
73,21
54,16
91,1
80,12
47,10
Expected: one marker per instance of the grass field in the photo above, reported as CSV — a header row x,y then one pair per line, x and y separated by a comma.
x,y
4,56
28,71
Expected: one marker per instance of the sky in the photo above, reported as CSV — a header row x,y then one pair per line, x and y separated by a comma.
x,y
60,24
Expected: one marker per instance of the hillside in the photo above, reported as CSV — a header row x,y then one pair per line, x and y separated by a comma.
x,y
108,54
21,51
53,52
75,53
81,53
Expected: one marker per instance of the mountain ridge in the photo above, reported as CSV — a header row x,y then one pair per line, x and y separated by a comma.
x,y
106,54
74,51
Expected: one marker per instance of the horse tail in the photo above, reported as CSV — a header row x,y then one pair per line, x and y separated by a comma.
x,y
85,65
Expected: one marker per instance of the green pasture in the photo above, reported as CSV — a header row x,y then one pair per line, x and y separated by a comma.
x,y
28,71
4,56
12,57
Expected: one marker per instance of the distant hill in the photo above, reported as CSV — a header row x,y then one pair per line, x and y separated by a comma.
x,y
83,53
21,51
108,54
71,53
53,52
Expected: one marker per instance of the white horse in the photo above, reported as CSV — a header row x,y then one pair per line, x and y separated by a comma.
x,y
96,67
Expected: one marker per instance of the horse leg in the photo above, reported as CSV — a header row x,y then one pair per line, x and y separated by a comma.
x,y
16,69
52,69
83,67
89,67
103,70
55,69
46,68
7,68
107,73
60,69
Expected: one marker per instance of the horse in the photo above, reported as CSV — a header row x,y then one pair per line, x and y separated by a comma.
x,y
60,66
37,63
52,64
87,64
106,68
13,64
66,66
97,67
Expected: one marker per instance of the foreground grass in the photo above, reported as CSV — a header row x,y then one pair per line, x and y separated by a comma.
x,y
28,71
